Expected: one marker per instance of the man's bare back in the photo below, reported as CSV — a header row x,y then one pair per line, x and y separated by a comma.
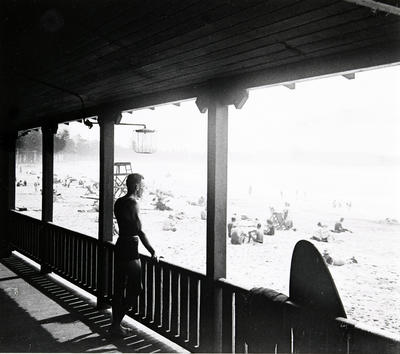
x,y
126,210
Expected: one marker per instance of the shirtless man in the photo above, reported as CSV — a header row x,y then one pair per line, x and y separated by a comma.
x,y
127,275
257,235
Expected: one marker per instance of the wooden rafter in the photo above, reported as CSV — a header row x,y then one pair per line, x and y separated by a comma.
x,y
377,6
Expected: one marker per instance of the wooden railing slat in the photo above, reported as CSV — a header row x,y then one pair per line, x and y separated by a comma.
x,y
240,323
110,277
83,262
184,307
193,311
94,266
80,262
150,292
142,296
175,304
227,321
59,250
157,297
76,260
166,299
70,255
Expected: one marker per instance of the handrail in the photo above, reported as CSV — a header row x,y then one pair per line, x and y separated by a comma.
x,y
75,233
61,228
166,264
356,325
227,283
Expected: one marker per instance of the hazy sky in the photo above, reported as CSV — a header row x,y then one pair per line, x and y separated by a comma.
x,y
331,114
325,115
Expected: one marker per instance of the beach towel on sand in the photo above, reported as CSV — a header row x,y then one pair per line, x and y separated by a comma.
x,y
265,320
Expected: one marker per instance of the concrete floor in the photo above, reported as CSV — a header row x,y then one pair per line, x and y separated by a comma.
x,y
39,314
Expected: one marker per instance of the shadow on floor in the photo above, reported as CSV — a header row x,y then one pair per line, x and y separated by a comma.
x,y
31,336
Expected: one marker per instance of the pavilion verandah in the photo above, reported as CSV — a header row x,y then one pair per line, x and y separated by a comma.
x,y
201,312
65,64
44,314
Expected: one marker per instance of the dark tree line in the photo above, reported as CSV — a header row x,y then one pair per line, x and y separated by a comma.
x,y
30,141
62,142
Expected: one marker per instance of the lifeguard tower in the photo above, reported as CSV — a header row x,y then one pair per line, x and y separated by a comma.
x,y
121,172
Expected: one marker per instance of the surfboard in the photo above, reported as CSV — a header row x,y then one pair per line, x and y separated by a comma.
x,y
311,283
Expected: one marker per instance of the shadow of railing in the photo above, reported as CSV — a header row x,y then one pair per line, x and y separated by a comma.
x,y
81,309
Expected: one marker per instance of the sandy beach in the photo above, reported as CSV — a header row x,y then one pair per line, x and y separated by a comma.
x,y
370,288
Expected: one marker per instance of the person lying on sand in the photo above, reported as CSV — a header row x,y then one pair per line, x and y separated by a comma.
x,y
337,261
339,227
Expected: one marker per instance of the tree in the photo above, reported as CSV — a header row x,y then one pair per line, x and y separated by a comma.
x,y
30,141
60,140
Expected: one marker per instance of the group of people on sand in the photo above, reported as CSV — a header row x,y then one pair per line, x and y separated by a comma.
x,y
323,234
22,183
276,221
239,236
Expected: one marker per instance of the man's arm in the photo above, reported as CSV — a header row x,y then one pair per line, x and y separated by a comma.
x,y
141,234
146,243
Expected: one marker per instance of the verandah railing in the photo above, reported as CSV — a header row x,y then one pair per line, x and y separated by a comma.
x,y
295,330
172,302
67,253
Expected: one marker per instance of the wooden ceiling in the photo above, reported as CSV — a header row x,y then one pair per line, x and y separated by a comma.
x,y
62,56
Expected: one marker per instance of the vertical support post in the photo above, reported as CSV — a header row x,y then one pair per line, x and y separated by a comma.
x,y
11,150
48,133
106,201
7,185
217,168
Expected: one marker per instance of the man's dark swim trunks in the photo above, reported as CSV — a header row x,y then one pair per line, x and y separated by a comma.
x,y
126,249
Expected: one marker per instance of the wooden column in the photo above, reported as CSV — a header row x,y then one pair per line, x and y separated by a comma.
x,y
48,133
216,101
217,169
216,223
106,202
7,188
11,151
11,168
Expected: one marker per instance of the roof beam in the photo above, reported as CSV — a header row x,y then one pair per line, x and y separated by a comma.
x,y
325,66
350,76
377,6
290,86
337,64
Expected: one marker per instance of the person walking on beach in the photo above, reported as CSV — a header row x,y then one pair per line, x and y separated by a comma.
x,y
127,275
